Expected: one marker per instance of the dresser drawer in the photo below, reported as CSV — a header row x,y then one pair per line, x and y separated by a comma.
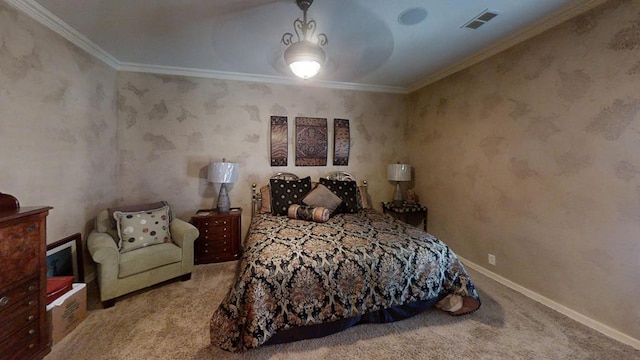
x,y
19,251
22,313
24,330
11,296
24,341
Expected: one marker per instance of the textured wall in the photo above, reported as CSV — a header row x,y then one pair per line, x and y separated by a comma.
x,y
57,125
170,127
533,155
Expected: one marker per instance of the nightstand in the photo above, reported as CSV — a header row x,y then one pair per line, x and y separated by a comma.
x,y
219,238
411,213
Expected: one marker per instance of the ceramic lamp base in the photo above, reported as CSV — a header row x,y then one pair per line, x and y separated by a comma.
x,y
397,195
223,200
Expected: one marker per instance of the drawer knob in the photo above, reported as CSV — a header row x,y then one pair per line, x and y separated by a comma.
x,y
31,287
32,331
31,228
4,300
31,317
31,346
31,302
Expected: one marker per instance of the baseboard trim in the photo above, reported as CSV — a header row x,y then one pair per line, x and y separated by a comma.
x,y
583,319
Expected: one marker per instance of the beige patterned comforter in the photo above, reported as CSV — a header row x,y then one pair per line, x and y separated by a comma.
x,y
296,272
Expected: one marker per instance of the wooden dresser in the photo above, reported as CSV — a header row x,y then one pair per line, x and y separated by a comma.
x,y
219,238
24,330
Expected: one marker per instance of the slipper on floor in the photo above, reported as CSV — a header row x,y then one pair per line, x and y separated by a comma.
x,y
469,305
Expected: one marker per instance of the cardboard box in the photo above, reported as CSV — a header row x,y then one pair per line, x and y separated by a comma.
x,y
66,312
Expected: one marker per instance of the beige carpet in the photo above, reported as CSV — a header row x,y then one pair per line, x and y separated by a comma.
x,y
172,322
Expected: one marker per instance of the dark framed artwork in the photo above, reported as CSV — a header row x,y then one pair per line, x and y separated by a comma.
x,y
311,141
64,258
279,140
341,141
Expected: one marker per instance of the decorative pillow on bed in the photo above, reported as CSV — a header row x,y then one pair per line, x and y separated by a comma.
x,y
288,192
265,205
142,228
345,190
322,196
303,212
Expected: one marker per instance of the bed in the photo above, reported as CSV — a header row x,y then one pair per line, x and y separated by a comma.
x,y
301,279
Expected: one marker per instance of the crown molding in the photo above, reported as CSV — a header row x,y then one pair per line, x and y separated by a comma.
x,y
568,12
46,18
581,318
224,75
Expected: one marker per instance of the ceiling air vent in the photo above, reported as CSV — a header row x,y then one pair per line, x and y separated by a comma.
x,y
481,19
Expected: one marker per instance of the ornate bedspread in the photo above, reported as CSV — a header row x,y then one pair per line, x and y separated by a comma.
x,y
296,272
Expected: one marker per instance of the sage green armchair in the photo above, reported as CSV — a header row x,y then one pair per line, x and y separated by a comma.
x,y
120,273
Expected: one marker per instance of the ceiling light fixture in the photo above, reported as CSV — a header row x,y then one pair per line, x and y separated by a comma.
x,y
304,57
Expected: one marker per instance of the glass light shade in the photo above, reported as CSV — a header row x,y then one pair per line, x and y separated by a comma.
x,y
305,69
399,172
304,58
223,172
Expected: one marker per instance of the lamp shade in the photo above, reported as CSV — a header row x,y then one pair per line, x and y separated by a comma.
x,y
223,172
399,172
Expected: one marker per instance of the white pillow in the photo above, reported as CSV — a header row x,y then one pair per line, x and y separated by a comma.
x,y
142,228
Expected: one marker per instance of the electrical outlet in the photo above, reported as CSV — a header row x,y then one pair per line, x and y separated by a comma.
x,y
492,259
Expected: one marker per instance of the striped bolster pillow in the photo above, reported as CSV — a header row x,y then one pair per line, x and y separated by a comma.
x,y
304,212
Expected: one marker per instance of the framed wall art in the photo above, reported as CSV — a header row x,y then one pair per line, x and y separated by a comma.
x,y
311,141
279,141
64,258
341,142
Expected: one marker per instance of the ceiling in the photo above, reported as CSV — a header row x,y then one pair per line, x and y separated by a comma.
x,y
368,48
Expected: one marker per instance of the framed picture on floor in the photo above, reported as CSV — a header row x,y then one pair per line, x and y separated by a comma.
x,y
64,258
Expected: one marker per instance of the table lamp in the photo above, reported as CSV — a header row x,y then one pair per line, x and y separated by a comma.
x,y
223,173
398,172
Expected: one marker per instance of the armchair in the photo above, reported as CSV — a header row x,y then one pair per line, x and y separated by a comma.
x,y
120,272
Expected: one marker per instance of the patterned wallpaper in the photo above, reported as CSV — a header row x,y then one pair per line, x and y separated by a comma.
x,y
533,156
57,125
80,137
170,127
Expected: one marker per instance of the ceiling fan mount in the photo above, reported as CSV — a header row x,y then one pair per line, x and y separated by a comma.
x,y
304,4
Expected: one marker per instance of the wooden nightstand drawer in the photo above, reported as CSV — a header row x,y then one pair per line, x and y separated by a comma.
x,y
213,223
219,238
410,213
219,231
